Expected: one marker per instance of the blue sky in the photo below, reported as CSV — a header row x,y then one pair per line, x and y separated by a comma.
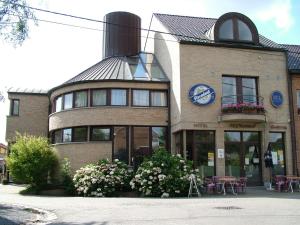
x,y
55,53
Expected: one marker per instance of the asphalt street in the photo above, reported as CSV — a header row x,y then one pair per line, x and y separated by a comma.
x,y
255,207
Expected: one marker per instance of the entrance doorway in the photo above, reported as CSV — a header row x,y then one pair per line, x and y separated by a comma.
x,y
243,156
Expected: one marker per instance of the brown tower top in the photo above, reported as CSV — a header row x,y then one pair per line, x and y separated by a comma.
x,y
121,35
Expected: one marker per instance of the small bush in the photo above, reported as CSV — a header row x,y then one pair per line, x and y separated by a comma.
x,y
5,181
32,161
103,179
163,175
66,175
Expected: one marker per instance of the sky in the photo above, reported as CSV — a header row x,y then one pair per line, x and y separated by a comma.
x,y
55,53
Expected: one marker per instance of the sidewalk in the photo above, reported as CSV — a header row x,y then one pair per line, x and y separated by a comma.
x,y
257,206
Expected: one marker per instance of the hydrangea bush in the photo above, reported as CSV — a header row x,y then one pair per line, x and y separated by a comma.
x,y
164,175
103,179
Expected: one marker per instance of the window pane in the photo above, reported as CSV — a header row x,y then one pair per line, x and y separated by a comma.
x,y
249,90
232,136
137,68
277,147
251,136
58,104
244,31
147,58
67,135
298,98
80,134
226,30
158,98
81,99
15,107
155,71
158,138
68,101
141,97
100,134
229,90
140,144
120,144
99,97
57,136
118,97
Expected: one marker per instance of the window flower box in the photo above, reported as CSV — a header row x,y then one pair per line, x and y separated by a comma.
x,y
251,108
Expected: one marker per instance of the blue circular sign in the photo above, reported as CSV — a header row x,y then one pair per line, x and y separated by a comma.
x,y
276,98
202,94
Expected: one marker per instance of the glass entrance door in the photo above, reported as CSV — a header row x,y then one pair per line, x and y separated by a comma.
x,y
242,156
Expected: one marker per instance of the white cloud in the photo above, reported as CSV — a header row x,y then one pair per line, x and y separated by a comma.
x,y
280,13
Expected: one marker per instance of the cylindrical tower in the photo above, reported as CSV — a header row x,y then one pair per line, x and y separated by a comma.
x,y
121,35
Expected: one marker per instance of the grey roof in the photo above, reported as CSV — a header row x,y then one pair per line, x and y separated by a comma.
x,y
293,56
119,68
193,29
27,91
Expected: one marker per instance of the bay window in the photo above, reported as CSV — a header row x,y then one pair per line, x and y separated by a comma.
x,y
100,134
79,134
140,97
67,135
99,97
68,101
58,104
81,99
158,98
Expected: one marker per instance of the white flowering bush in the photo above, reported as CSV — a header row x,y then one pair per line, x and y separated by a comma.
x,y
163,175
103,179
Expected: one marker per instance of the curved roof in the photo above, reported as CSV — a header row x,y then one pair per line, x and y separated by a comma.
x,y
143,66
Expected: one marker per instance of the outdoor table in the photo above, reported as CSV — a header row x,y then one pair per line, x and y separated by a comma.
x,y
290,179
227,180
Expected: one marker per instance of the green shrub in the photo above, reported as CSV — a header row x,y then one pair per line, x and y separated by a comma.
x,y
103,179
163,175
66,175
32,161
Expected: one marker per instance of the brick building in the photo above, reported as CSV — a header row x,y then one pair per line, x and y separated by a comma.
x,y
215,90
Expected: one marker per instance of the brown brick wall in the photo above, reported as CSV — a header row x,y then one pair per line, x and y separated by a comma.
x,y
81,154
33,116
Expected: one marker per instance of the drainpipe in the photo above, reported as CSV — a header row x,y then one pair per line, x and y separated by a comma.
x,y
292,122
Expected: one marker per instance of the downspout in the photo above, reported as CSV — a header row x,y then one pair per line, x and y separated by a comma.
x,y
169,118
292,122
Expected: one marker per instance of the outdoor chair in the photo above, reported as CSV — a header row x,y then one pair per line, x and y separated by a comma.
x,y
281,183
240,185
210,186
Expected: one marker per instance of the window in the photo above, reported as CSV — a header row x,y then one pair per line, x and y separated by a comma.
x,y
67,135
235,27
57,137
158,98
298,101
118,97
276,140
68,101
81,99
237,90
99,97
152,66
15,107
159,135
137,68
58,104
100,134
79,134
140,97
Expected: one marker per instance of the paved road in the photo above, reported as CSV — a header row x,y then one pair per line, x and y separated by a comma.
x,y
13,215
254,208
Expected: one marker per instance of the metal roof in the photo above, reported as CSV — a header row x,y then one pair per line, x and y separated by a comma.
x,y
194,29
27,91
293,56
123,68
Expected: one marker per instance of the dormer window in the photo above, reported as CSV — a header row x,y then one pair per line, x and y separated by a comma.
x,y
235,27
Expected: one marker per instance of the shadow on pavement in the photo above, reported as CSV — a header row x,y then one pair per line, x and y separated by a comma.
x,y
89,223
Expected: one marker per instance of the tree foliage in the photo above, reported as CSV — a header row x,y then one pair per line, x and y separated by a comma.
x,y
14,18
32,160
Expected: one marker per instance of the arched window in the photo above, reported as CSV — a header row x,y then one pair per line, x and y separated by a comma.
x,y
235,27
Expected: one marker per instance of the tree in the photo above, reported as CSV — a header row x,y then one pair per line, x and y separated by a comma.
x,y
14,17
32,160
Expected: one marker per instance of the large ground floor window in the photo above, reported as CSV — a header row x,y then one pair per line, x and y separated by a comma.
x,y
243,155
276,140
200,146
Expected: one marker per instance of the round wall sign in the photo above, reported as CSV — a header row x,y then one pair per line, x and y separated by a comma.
x,y
202,94
276,99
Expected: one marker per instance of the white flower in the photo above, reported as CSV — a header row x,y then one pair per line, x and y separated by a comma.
x,y
177,191
150,177
179,155
116,160
162,164
181,161
165,195
148,192
149,182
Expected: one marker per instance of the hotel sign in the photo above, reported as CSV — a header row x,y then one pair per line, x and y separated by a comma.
x,y
202,94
